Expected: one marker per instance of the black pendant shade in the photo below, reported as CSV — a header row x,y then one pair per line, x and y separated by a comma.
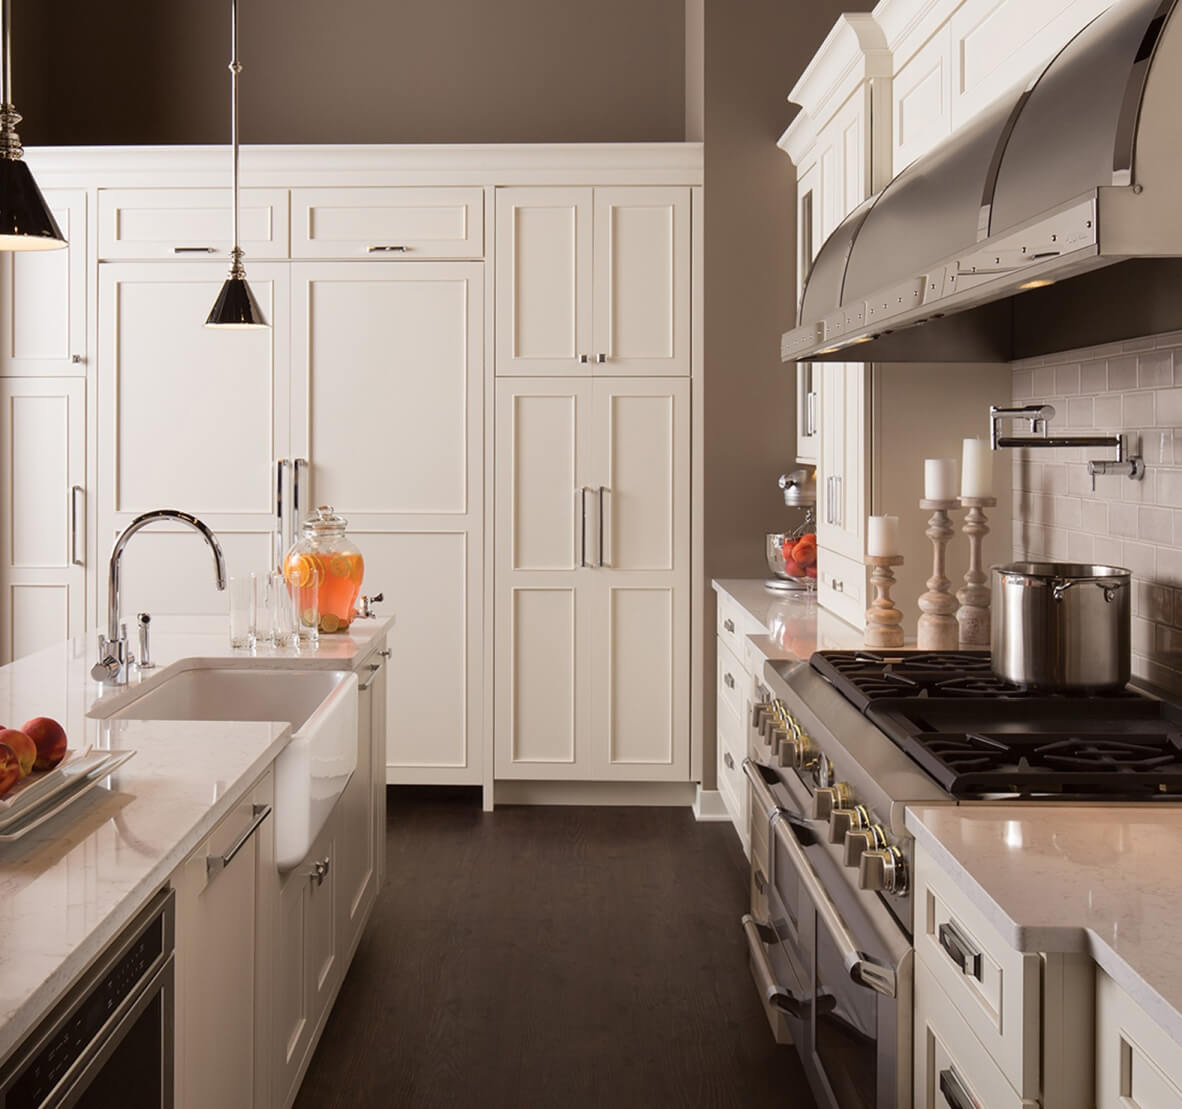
x,y
236,306
26,223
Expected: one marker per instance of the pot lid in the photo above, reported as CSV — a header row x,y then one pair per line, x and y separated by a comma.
x,y
325,518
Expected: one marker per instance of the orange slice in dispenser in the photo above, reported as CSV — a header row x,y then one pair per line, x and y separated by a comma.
x,y
308,617
339,566
330,622
301,571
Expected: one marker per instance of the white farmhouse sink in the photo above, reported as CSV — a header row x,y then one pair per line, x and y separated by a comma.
x,y
312,770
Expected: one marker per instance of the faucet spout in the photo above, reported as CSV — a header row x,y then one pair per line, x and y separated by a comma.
x,y
115,569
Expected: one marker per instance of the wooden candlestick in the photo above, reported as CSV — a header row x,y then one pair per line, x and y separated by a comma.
x,y
884,622
973,616
938,630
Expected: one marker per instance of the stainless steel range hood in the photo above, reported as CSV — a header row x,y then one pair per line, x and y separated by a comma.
x,y
1052,221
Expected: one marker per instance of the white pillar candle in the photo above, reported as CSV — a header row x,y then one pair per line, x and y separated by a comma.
x,y
976,474
939,479
882,539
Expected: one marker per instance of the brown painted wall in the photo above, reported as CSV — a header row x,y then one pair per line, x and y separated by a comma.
x,y
416,71
755,50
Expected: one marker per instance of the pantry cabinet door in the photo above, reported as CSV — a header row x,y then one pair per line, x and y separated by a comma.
x,y
544,277
192,418
387,406
42,513
43,298
640,584
642,281
544,542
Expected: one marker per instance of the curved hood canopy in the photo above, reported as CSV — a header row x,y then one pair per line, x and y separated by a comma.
x,y
1048,222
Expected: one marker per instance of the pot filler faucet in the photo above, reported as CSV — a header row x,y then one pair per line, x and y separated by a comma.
x,y
1040,415
115,657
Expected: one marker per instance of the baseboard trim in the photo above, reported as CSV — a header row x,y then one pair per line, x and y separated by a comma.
x,y
650,794
709,805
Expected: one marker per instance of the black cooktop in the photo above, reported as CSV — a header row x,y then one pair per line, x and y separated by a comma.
x,y
979,735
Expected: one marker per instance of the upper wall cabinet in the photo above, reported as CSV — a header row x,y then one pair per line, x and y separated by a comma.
x,y
387,223
593,281
190,223
43,299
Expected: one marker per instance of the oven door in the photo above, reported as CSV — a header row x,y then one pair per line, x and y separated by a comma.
x,y
858,968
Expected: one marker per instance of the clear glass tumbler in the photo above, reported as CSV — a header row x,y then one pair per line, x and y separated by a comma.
x,y
284,624
303,583
243,612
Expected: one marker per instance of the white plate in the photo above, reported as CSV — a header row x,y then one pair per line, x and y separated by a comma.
x,y
78,777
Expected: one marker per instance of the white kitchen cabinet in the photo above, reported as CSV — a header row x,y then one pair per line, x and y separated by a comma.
x,y
43,512
591,664
1138,1065
387,406
218,956
593,281
188,417
384,223
43,299
191,224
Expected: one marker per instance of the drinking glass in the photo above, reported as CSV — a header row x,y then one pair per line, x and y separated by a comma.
x,y
284,631
303,583
243,613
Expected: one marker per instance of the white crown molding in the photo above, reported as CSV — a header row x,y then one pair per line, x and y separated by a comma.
x,y
799,138
316,165
855,51
900,19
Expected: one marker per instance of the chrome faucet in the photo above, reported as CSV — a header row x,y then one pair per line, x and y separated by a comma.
x,y
115,657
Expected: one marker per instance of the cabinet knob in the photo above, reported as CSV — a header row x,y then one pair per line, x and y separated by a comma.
x,y
601,358
729,680
729,760
584,359
729,625
319,870
76,358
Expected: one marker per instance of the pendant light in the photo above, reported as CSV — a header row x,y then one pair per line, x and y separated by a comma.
x,y
235,306
26,223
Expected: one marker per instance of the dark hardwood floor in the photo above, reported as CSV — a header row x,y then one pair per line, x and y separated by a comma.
x,y
566,957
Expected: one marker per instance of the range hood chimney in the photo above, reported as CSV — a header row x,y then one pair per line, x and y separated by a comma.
x,y
1051,221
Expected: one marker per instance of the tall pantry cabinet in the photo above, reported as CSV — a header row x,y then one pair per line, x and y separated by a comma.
x,y
592,486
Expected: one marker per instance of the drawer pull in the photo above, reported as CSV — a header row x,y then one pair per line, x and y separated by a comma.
x,y
760,880
216,863
953,1091
959,950
729,759
729,679
774,994
729,625
388,249
194,250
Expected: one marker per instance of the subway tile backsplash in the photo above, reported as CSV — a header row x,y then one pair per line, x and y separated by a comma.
x,y
1135,388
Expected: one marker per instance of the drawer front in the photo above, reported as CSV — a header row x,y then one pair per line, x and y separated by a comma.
x,y
996,989
841,586
387,223
952,1067
1138,1066
731,782
190,223
733,682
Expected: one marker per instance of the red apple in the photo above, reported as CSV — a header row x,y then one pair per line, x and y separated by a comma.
x,y
10,768
811,571
50,738
793,568
25,748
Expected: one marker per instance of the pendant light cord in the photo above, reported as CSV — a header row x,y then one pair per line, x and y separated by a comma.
x,y
10,142
235,69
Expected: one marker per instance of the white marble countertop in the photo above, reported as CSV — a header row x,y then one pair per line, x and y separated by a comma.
x,y
794,624
69,887
1084,878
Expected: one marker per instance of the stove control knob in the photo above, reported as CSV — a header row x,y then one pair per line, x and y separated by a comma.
x,y
861,840
798,751
758,712
776,736
842,821
828,798
883,870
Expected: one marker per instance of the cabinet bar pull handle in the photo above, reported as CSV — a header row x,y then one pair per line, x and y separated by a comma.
x,y
375,669
194,250
388,249
959,950
298,465
583,526
953,1091
602,491
76,494
280,549
216,863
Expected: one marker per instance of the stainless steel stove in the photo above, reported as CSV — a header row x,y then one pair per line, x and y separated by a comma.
x,y
839,747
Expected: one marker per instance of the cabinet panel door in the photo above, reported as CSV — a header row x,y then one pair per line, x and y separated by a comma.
x,y
544,276
640,587
387,222
292,1019
841,526
189,417
920,94
642,281
43,298
191,223
543,538
388,383
42,512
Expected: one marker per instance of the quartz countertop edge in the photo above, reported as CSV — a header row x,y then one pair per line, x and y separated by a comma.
x,y
1033,871
70,887
793,624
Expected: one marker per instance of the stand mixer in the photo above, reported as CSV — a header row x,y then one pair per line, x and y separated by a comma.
x,y
792,555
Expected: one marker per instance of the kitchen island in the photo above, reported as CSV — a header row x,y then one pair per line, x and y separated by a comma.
x,y
71,886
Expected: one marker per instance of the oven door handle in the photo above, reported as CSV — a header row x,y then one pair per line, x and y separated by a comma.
x,y
861,968
758,934
801,828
